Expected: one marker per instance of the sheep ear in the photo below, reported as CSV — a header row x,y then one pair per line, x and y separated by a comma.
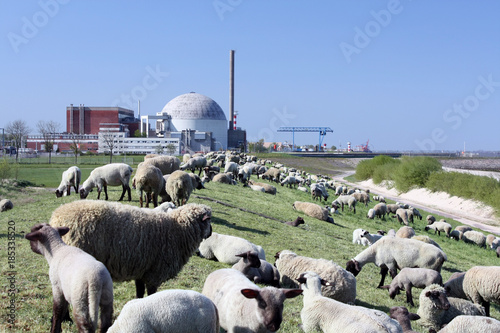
x,y
62,231
325,283
250,293
302,278
428,294
241,255
205,217
414,316
33,236
291,293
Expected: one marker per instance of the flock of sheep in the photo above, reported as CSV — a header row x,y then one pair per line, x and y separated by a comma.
x,y
91,243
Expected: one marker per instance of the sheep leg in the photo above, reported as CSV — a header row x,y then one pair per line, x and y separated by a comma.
x,y
59,311
106,315
409,298
383,271
140,288
105,187
123,192
68,191
152,290
140,198
486,306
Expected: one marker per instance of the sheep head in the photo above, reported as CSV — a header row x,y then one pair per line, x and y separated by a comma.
x,y
43,232
353,267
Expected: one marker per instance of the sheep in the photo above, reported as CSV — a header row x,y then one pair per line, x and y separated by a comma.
x,y
172,310
426,239
463,228
380,210
440,226
167,164
403,317
150,156
147,246
224,178
70,177
165,207
357,239
77,278
436,309
186,158
196,181
272,174
415,212
498,252
391,253
371,214
481,285
295,223
471,324
289,181
303,189
113,174
378,198
320,313
6,204
362,197
148,179
224,248
196,162
454,285
402,216
339,190
257,270
459,231
392,208
405,232
430,219
347,200
267,187
372,238
242,305
290,266
313,210
179,187
474,237
490,239
232,168
410,277
318,190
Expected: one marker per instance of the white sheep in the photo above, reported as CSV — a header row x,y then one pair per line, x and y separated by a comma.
x,y
77,278
134,243
171,310
318,190
289,181
426,239
257,270
405,232
402,216
70,177
179,187
224,178
113,174
440,226
357,239
372,238
410,277
6,204
320,313
167,164
148,180
313,210
196,162
362,197
346,200
290,266
242,305
481,284
232,167
267,187
472,324
371,214
474,237
391,253
224,248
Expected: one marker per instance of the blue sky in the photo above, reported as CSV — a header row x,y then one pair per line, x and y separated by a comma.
x,y
407,75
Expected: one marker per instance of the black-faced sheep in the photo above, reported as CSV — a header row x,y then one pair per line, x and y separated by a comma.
x,y
439,226
402,216
362,197
77,278
196,162
474,237
346,200
6,204
313,210
256,269
70,177
147,246
295,223
113,174
403,317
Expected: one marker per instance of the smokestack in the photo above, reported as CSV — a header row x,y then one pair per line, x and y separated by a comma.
x,y
231,89
139,109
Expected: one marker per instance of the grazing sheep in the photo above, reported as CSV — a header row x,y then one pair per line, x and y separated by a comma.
x,y
70,177
318,190
402,216
148,179
391,253
147,246
463,228
436,309
167,164
415,212
347,200
405,232
372,238
392,208
439,226
380,210
242,305
362,197
224,178
313,210
172,310
320,313
371,214
426,239
454,286
113,174
257,270
6,204
474,237
196,162
410,277
490,239
403,317
358,239
289,181
197,183
295,223
430,219
232,167
77,278
472,324
224,248
186,157
272,174
291,265
481,285
179,187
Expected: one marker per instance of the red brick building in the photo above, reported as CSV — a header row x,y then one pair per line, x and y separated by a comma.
x,y
88,119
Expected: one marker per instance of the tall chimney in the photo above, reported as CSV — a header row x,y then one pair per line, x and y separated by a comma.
x,y
231,89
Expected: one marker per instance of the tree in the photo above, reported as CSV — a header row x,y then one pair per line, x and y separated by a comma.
x,y
257,147
170,148
18,130
333,148
137,134
48,129
109,142
75,146
159,149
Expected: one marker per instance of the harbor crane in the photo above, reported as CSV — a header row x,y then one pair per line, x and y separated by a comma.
x,y
321,130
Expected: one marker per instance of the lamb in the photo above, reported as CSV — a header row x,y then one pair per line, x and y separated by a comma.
x,y
370,214
113,174
313,210
347,200
147,246
179,187
70,177
77,278
232,167
402,216
391,253
330,316
267,187
372,238
380,210
357,239
295,223
196,162
318,190
303,189
362,197
410,277
242,305
439,226
415,212
172,310
403,317
436,309
481,285
185,157
148,179
6,204
257,270
474,237
471,324
224,248
290,266
430,219
167,164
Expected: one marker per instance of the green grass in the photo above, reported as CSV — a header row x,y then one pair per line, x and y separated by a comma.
x,y
315,239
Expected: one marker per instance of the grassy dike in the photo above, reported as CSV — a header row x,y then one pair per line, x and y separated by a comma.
x,y
27,272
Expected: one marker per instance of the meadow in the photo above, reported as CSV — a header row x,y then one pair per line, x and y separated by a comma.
x,y
26,273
